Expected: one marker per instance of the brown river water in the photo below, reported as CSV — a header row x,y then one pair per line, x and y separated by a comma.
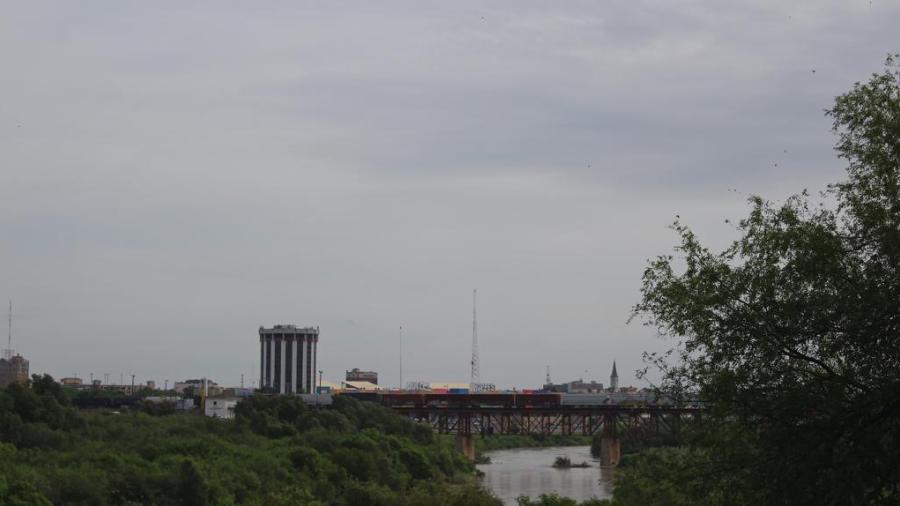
x,y
530,471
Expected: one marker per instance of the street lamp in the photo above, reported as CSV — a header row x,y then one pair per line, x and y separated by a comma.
x,y
316,389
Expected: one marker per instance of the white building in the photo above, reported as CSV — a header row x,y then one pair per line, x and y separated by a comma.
x,y
221,407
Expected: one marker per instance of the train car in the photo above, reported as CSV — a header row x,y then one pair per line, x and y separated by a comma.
x,y
368,396
402,399
587,400
537,400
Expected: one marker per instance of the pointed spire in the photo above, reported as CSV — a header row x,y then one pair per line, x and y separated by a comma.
x,y
614,378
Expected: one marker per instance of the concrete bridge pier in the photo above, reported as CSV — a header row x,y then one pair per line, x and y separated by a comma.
x,y
610,451
465,443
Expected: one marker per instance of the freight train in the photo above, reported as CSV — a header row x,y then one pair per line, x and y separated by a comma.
x,y
504,400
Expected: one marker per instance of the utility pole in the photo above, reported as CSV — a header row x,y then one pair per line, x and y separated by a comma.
x,y
316,390
401,358
242,381
167,385
132,384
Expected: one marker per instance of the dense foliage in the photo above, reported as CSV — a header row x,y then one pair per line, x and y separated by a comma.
x,y
502,442
792,336
277,451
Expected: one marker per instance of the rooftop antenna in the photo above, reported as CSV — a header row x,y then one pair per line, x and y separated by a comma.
x,y
401,358
548,376
474,339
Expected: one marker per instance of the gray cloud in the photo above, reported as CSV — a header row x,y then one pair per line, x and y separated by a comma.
x,y
175,175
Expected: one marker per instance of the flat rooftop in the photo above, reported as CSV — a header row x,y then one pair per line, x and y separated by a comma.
x,y
288,329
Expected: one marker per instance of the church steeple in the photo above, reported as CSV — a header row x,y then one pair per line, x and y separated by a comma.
x,y
614,378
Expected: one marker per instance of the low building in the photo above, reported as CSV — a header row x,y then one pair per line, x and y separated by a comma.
x,y
221,407
196,386
70,382
357,375
360,386
327,387
13,369
575,387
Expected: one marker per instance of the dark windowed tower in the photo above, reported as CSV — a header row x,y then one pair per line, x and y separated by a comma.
x,y
287,358
614,379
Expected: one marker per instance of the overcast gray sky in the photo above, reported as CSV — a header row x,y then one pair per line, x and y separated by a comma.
x,y
175,174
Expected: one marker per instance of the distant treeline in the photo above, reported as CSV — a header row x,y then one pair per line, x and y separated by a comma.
x,y
277,451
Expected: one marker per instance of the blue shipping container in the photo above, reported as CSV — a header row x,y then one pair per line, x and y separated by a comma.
x,y
458,391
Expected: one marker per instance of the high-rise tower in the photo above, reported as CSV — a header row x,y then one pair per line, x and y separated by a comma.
x,y
13,367
287,359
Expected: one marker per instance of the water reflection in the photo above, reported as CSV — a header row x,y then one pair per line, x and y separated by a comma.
x,y
530,471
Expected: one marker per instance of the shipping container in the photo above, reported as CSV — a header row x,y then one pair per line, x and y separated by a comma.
x,y
457,391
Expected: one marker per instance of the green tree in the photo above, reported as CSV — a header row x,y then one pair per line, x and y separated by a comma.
x,y
190,486
792,333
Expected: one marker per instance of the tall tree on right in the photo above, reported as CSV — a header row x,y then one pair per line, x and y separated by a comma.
x,y
792,333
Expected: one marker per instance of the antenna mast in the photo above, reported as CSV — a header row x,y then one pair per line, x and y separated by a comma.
x,y
474,339
548,382
8,352
401,358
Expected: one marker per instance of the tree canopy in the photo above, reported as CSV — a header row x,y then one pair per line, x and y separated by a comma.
x,y
791,334
277,451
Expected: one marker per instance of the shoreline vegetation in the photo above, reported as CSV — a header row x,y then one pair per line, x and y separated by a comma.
x,y
276,451
562,462
512,441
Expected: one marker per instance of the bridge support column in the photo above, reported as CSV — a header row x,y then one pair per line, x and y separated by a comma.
x,y
610,451
465,443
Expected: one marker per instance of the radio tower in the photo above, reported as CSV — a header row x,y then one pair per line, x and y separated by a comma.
x,y
474,340
8,352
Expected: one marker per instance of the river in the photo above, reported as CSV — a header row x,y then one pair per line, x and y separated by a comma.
x,y
530,471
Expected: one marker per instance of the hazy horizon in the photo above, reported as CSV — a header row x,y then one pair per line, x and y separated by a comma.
x,y
176,175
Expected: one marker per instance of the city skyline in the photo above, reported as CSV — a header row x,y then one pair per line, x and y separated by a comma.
x,y
174,178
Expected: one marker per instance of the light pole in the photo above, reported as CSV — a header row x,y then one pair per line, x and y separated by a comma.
x,y
316,389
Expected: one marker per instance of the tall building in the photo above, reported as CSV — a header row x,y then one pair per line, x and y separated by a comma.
x,y
614,378
287,358
356,375
13,369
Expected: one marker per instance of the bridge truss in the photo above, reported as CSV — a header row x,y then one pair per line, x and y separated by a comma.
x,y
611,421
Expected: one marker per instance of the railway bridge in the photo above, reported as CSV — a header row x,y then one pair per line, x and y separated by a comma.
x,y
470,415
